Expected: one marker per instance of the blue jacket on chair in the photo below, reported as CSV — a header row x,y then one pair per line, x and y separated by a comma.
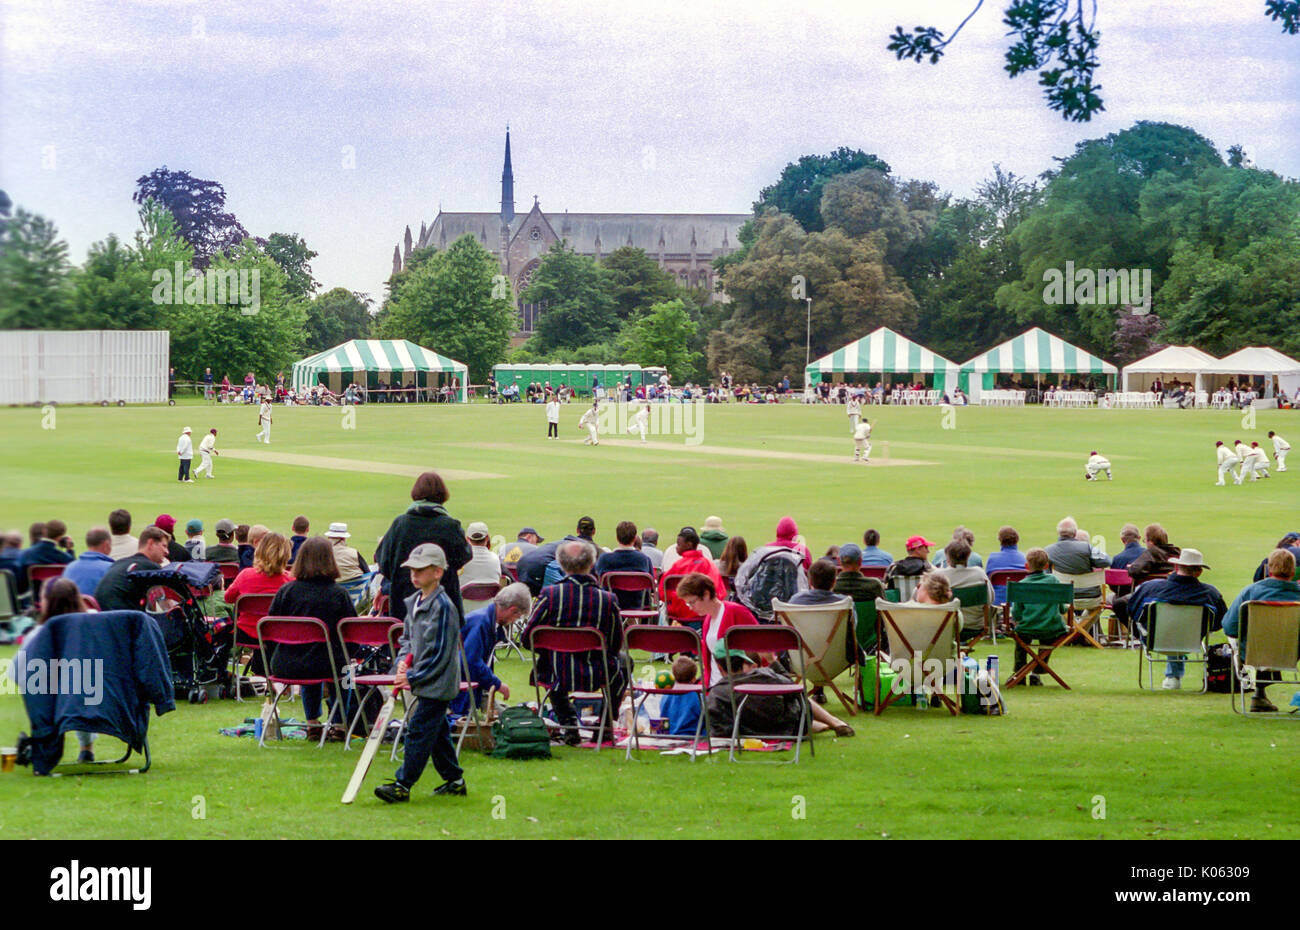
x,y
114,664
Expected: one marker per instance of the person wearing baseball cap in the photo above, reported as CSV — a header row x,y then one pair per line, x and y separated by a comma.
x,y
185,454
175,551
484,566
511,552
195,545
904,574
426,663
1182,587
225,549
349,561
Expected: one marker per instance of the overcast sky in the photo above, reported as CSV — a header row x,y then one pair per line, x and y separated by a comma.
x,y
672,106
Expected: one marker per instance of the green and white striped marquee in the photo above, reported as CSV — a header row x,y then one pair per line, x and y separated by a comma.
x,y
338,366
1035,352
884,352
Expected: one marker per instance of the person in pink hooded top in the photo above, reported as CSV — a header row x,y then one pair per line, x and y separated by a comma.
x,y
786,531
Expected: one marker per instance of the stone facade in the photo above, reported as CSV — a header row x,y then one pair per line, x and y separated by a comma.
x,y
684,244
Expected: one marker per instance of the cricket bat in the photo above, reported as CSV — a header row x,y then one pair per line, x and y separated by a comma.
x,y
372,746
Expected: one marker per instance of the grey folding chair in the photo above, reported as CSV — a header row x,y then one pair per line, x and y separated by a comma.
x,y
1271,631
1174,631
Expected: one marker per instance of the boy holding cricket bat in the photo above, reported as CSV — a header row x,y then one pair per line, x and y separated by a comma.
x,y
427,664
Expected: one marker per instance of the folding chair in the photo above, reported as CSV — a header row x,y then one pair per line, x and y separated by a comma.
x,y
474,596
670,587
664,640
920,635
1118,583
1087,610
357,588
229,571
1272,646
865,629
295,631
571,641
904,586
1174,631
1033,593
37,575
769,638
8,596
875,571
373,632
976,595
633,582
252,607
1000,579
824,633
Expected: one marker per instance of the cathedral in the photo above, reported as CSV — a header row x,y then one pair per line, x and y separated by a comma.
x,y
684,244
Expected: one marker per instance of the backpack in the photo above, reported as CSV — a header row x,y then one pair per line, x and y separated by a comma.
x,y
1219,675
520,734
776,576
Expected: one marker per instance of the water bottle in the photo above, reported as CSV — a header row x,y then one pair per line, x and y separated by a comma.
x,y
993,668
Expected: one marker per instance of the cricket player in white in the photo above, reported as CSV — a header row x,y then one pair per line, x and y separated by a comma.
x,y
1226,462
862,442
1258,456
1280,448
264,420
640,421
207,449
553,418
1097,463
854,409
589,422
1247,461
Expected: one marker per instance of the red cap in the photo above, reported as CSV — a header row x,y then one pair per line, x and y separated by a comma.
x,y
916,542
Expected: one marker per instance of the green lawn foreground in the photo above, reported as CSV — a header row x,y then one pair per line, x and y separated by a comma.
x,y
1162,765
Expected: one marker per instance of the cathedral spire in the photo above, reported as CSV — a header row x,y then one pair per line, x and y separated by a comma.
x,y
507,186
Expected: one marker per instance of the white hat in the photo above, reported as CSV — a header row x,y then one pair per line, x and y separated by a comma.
x,y
1190,558
338,531
187,430
477,530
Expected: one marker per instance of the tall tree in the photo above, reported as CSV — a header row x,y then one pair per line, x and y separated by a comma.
x,y
446,303
798,191
638,281
335,317
112,289
290,252
200,210
577,293
662,336
34,283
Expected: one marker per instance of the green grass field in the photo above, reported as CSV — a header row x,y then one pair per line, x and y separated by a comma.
x,y
1167,764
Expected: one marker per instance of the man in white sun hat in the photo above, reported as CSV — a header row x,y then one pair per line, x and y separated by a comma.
x,y
483,567
1184,586
185,455
351,564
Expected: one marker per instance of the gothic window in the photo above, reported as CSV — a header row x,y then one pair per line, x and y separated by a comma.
x,y
535,233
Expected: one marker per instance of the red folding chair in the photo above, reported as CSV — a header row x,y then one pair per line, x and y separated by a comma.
x,y
768,639
371,632
875,571
229,571
474,596
670,588
1002,577
37,575
665,640
295,631
395,634
633,582
251,608
510,572
1118,582
570,641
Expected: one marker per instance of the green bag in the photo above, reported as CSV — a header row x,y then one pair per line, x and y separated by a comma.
x,y
867,678
520,734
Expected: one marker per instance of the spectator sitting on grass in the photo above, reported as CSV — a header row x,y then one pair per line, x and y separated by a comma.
x,y
682,710
124,544
777,714
225,549
93,564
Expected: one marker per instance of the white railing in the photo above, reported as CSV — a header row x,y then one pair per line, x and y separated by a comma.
x,y
1002,398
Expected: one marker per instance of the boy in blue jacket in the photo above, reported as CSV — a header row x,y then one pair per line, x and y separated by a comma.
x,y
682,710
428,649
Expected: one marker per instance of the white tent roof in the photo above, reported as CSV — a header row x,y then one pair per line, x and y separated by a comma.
x,y
883,351
1174,360
1038,351
1255,360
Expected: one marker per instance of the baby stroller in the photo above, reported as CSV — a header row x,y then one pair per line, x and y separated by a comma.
x,y
199,649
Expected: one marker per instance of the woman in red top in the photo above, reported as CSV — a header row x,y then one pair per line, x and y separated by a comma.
x,y
701,596
266,576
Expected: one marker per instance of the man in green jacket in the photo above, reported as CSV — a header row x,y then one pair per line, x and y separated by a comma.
x,y
713,537
1041,623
